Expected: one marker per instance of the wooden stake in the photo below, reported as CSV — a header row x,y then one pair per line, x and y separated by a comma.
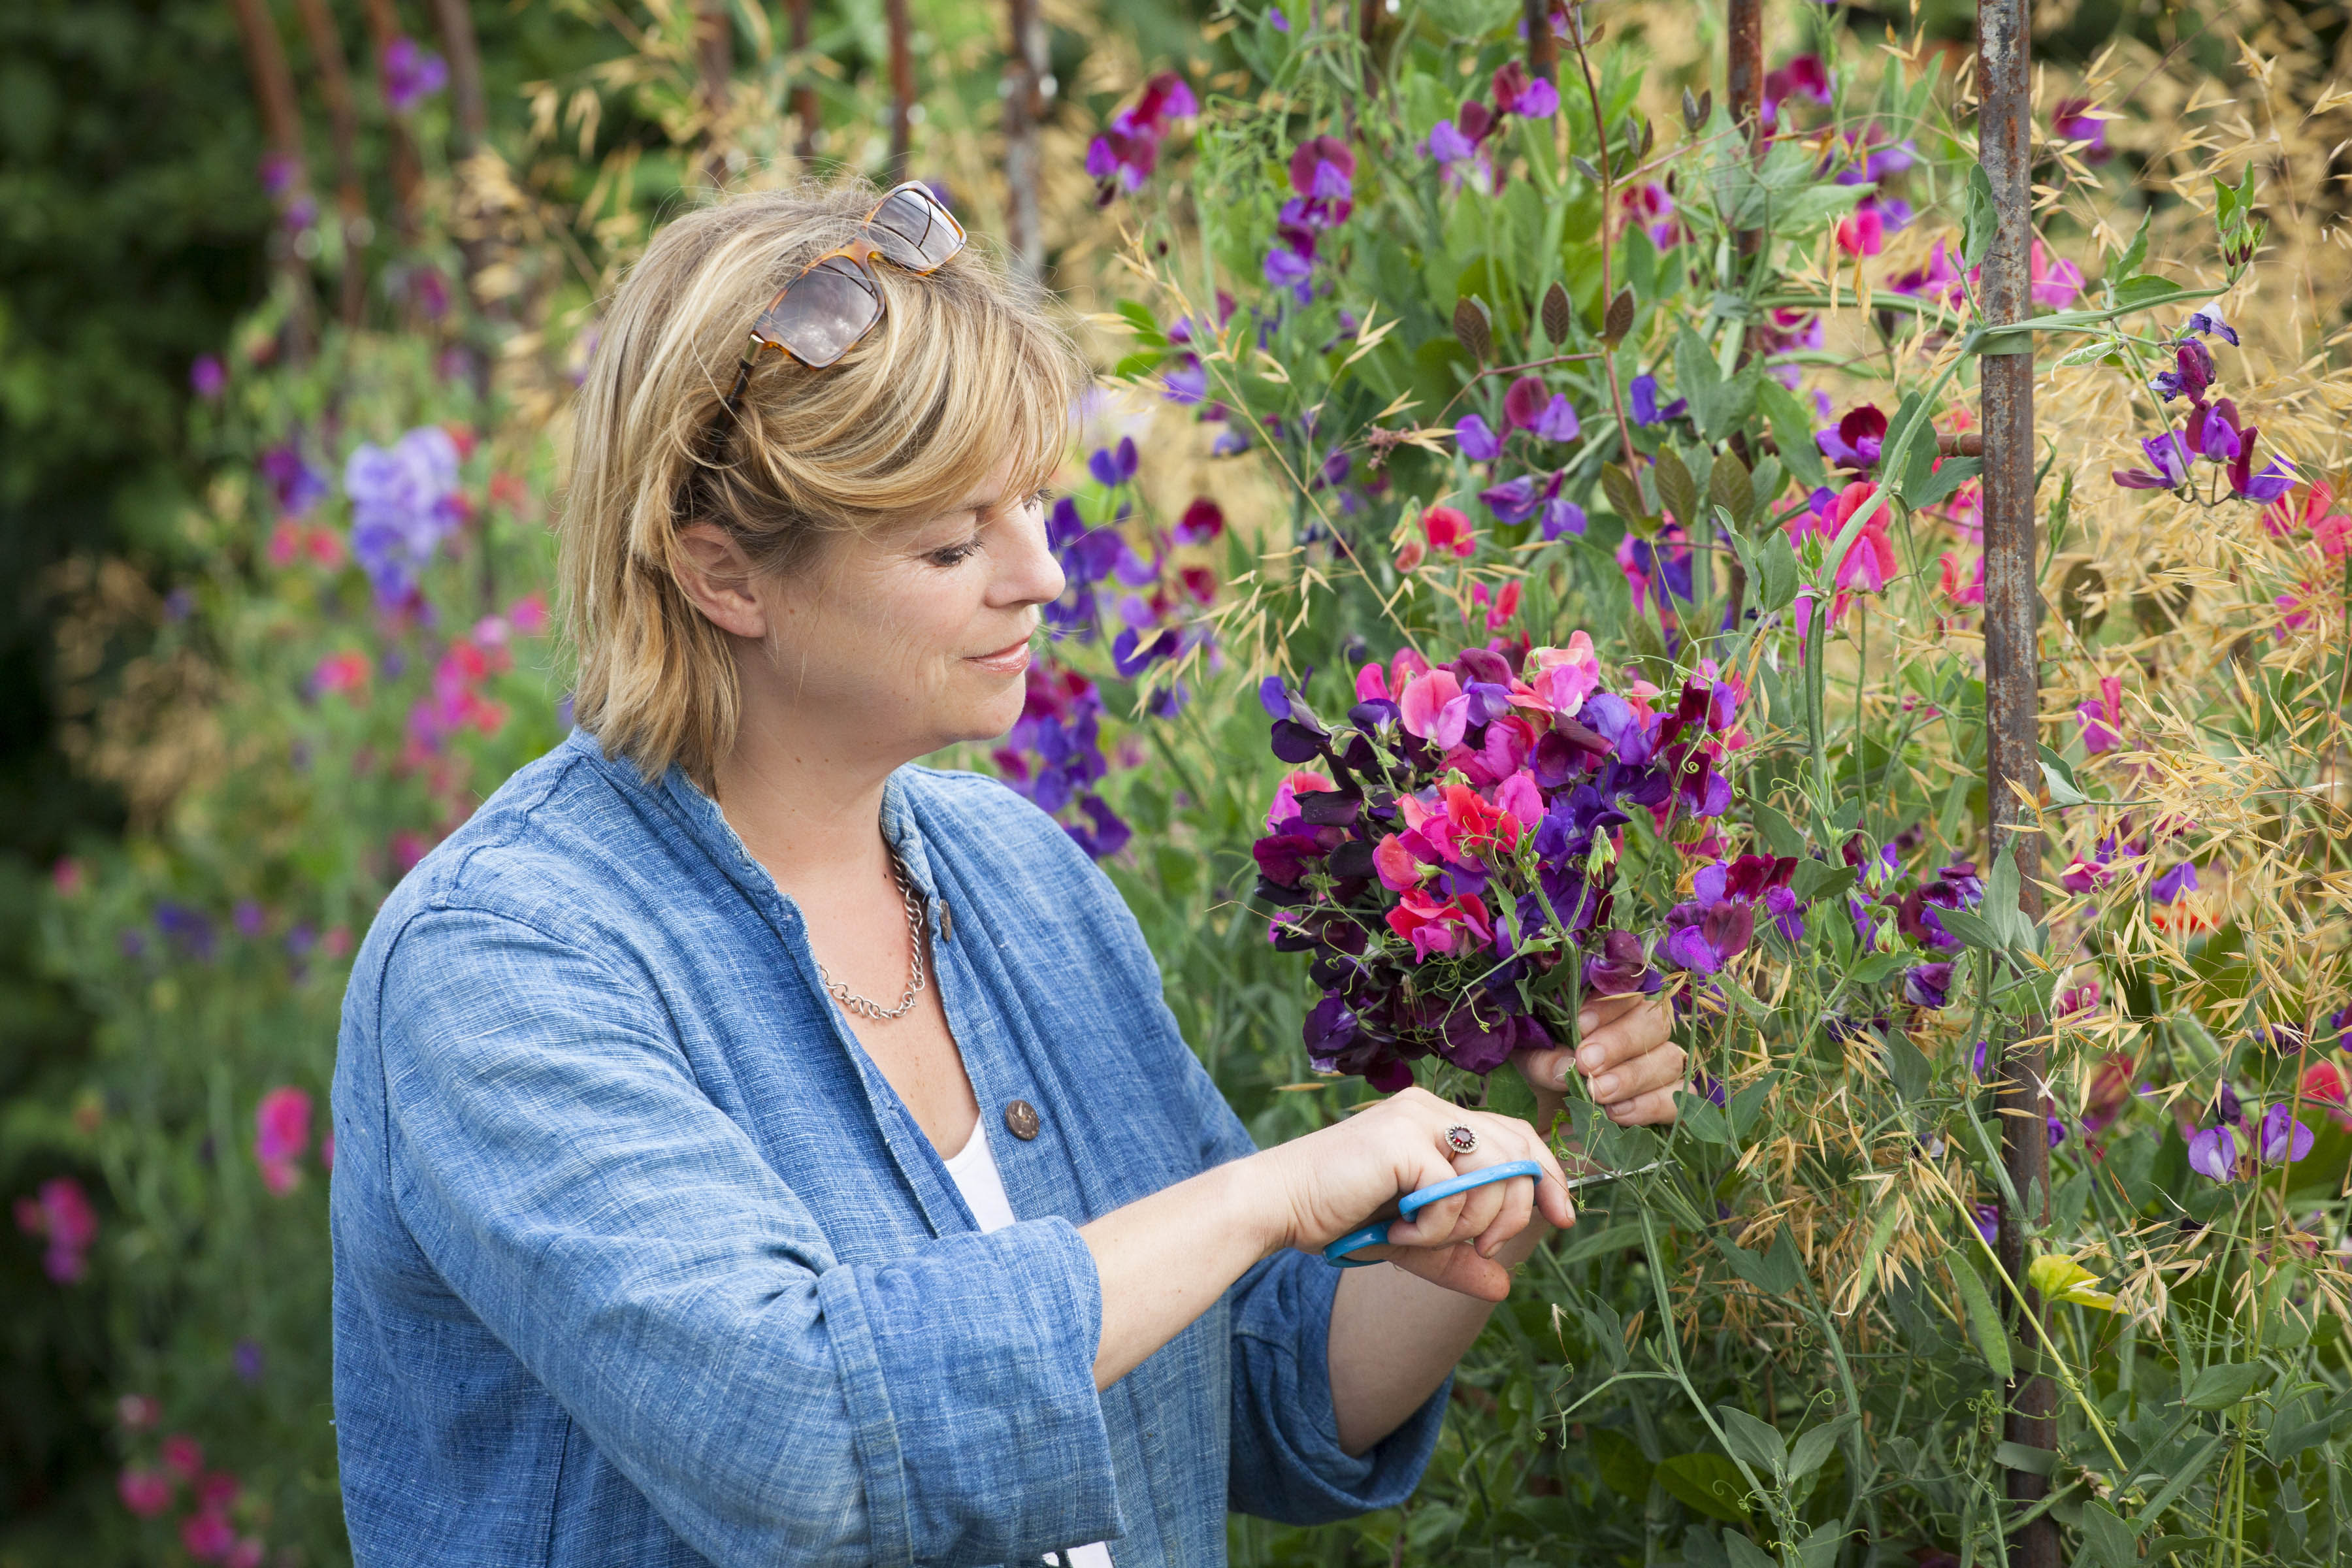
x,y
281,122
1024,109
343,123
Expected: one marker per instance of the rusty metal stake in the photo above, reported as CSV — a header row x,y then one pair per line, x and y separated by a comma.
x,y
2012,696
1743,80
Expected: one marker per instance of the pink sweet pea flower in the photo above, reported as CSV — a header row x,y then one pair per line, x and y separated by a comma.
x,y
2102,718
182,1456
281,1137
1434,709
1862,233
1447,529
1299,782
1437,926
1565,677
144,1492
1868,566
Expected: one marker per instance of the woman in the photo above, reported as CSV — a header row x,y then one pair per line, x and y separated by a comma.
x,y
753,1148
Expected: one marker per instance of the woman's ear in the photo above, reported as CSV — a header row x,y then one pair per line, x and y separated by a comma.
x,y
717,577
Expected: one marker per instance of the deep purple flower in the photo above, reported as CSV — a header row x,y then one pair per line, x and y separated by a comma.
x,y
1711,1088
2057,1130
1856,441
2213,1151
1516,499
2181,878
1286,268
250,1361
1643,396
1108,835
1704,938
2170,453
186,930
2203,321
208,377
296,486
1988,1222
1184,380
1928,985
2192,375
2284,1139
411,75
1621,967
2227,1107
1112,468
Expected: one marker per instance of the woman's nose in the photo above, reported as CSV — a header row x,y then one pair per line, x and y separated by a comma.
x,y
1028,573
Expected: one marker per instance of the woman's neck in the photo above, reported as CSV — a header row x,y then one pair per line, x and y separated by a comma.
x,y
811,816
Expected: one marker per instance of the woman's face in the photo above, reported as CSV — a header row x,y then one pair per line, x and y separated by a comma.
x,y
885,649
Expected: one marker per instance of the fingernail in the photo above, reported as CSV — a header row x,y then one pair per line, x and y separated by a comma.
x,y
1591,1056
1588,1019
1602,1088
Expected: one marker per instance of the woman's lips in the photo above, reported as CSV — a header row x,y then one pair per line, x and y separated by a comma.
x,y
1010,659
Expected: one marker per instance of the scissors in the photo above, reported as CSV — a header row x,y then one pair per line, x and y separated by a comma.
x,y
1377,1233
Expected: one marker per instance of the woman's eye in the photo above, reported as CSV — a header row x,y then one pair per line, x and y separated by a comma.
x,y
955,555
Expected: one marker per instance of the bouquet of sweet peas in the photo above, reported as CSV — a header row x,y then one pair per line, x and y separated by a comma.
x,y
1451,855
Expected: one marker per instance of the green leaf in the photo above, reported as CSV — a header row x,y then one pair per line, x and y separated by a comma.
x,y
1812,1449
1708,1484
1992,1339
1877,967
1973,930
2107,1541
1749,1103
2033,1461
1701,1118
2134,291
1146,331
2000,908
1792,432
1947,475
1979,220
1619,1460
2058,775
1881,1235
1624,495
1907,1067
1730,487
2136,251
1776,581
2221,1386
1820,1548
1581,1246
1507,1093
1780,834
1676,493
1142,362
1818,879
1753,1441
1738,1551
1777,1271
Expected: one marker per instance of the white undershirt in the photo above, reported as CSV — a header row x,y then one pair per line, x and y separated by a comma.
x,y
973,1168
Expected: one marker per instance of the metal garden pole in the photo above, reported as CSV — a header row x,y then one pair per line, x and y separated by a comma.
x,y
2013,702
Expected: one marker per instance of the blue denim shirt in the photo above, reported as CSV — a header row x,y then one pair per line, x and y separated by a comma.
x,y
639,1259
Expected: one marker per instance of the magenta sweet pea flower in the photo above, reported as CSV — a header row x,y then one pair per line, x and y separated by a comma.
x,y
2069,122
1938,279
1928,985
2102,718
207,378
1476,440
1447,144
1858,439
411,74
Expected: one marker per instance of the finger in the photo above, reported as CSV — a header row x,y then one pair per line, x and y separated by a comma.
x,y
1458,1268
1483,1207
1638,1024
1518,1203
1504,1138
1435,1225
1644,1110
1547,1069
1658,1068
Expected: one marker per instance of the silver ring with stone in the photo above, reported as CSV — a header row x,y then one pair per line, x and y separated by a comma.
x,y
1461,1139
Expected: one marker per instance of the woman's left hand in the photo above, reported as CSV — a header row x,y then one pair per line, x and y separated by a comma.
x,y
1633,1064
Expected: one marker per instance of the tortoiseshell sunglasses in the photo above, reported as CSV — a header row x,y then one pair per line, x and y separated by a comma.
x,y
820,315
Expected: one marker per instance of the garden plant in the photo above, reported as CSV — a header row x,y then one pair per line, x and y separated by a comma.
x,y
1531,542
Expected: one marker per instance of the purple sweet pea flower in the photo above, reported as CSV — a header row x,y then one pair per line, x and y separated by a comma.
x,y
411,75
1928,985
2181,878
1856,440
1515,501
1185,380
2057,1130
2193,375
207,378
2068,123
1448,145
1557,421
2214,1152
2284,1140
2170,453
403,503
1285,269
2203,321
1988,1222
1476,440
1112,468
1562,516
296,486
1621,968
1643,396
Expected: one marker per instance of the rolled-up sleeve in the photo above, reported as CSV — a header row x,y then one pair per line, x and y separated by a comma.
x,y
553,1157
1287,1461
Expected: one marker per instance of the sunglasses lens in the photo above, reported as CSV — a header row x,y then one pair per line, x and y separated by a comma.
x,y
827,308
912,228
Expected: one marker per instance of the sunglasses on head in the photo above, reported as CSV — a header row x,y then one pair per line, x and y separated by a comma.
x,y
820,315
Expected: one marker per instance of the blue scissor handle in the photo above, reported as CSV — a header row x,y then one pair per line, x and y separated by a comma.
x,y
1412,1202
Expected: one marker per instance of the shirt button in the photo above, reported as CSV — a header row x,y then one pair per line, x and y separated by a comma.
x,y
1021,1119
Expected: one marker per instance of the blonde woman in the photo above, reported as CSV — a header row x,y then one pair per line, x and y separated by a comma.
x,y
755,1149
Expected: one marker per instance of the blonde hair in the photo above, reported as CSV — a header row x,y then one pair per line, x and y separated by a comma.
x,y
965,372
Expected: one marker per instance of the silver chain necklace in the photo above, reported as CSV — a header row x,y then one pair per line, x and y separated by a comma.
x,y
866,1006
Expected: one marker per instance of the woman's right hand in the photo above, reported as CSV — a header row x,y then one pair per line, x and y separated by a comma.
x,y
1332,1181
